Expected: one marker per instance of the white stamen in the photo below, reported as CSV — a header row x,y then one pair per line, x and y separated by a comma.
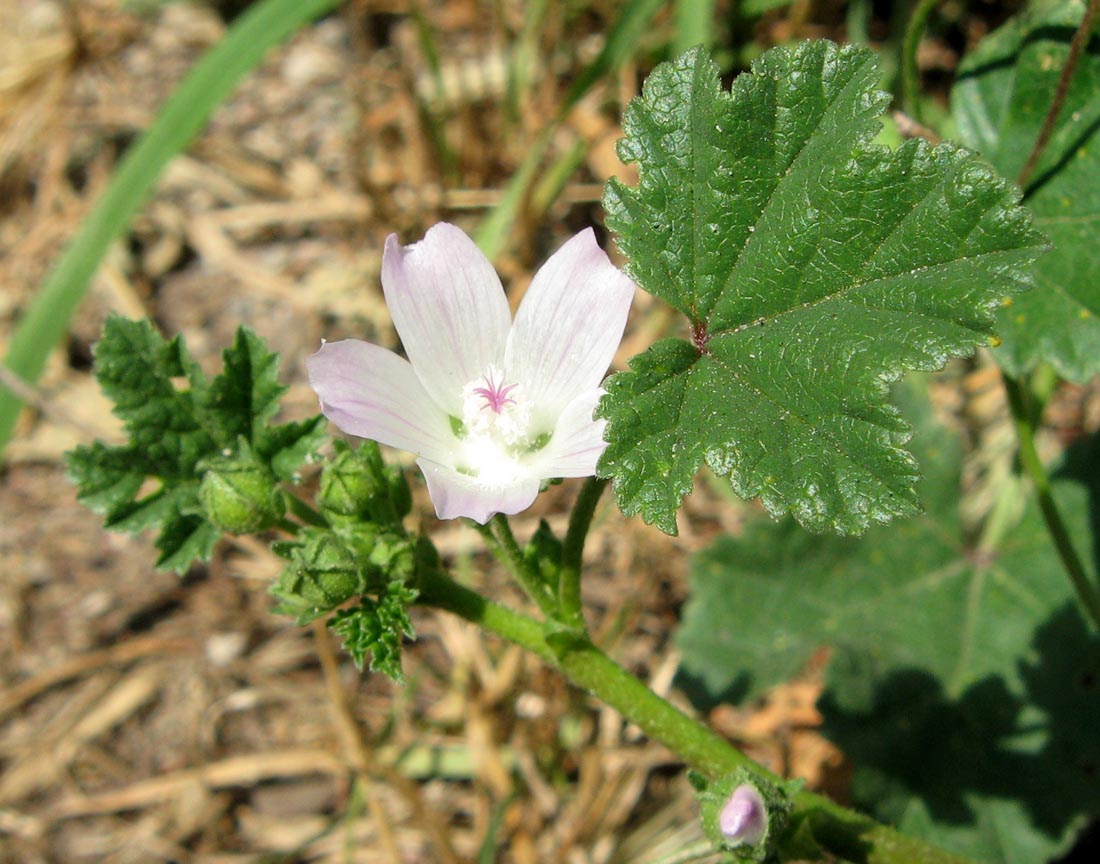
x,y
498,429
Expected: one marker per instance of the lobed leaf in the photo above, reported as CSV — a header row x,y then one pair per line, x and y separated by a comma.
x,y
1000,99
179,424
378,627
288,446
152,383
245,396
813,268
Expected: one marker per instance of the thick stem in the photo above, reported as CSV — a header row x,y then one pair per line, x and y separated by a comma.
x,y
1026,422
910,75
569,578
844,833
1076,47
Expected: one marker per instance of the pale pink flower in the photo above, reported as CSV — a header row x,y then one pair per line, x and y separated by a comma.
x,y
491,407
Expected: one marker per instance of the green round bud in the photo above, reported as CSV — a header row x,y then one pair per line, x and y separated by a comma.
x,y
325,570
352,484
346,489
328,573
240,496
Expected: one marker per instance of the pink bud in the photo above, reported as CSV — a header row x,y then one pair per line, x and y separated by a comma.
x,y
744,819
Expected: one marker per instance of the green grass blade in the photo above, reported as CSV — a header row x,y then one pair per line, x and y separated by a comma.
x,y
213,78
622,41
694,25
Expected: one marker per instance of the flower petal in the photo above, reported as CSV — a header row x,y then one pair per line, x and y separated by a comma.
x,y
569,324
744,818
449,309
455,494
577,442
372,393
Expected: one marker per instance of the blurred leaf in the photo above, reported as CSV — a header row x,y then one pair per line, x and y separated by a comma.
x,y
622,41
963,682
1004,89
695,24
813,267
754,8
1001,770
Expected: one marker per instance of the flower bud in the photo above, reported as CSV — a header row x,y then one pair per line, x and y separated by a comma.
x,y
323,573
744,812
744,818
356,486
239,495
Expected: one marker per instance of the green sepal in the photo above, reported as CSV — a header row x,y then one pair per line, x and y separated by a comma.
x,y
564,637
400,493
543,553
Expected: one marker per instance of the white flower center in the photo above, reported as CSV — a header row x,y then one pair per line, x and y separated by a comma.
x,y
496,417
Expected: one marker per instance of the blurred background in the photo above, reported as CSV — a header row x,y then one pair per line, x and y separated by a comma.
x,y
149,718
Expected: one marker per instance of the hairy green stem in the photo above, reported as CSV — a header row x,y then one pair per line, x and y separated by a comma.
x,y
910,75
1025,422
844,833
498,536
569,578
1076,47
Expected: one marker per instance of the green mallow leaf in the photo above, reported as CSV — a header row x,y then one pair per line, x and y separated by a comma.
x,y
246,395
813,267
181,427
287,446
378,627
1000,100
963,682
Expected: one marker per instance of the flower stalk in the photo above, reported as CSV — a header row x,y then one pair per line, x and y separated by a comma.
x,y
1025,421
500,540
570,608
840,831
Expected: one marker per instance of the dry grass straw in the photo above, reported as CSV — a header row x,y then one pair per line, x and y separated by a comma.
x,y
36,61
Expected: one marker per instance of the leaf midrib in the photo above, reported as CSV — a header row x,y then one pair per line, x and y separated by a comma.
x,y
837,102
